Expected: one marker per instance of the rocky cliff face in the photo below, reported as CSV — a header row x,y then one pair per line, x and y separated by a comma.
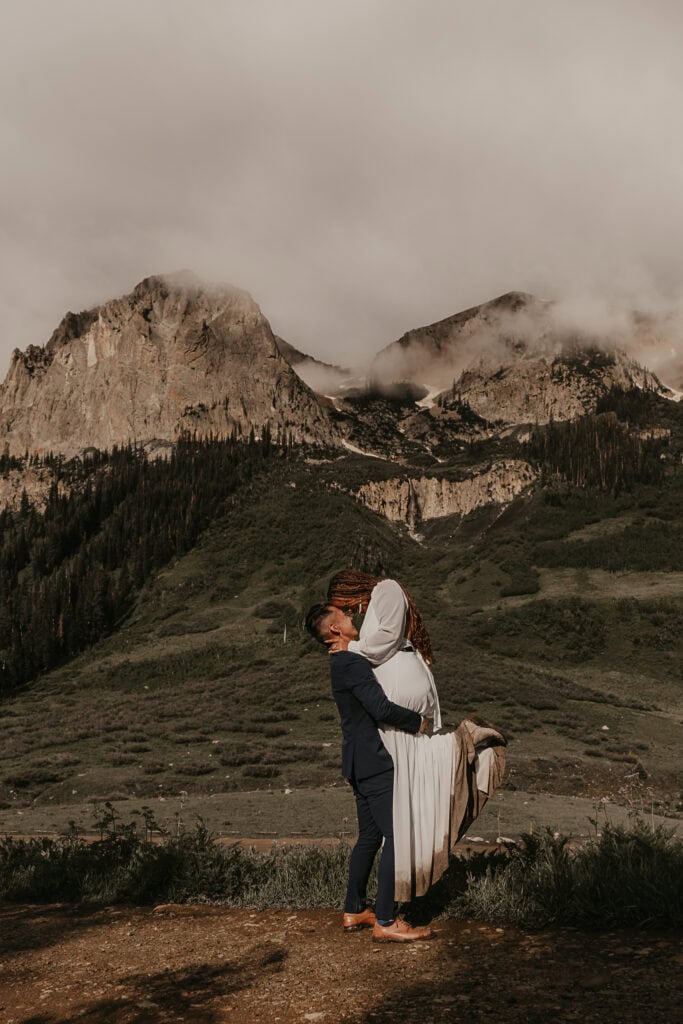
x,y
177,356
172,356
559,387
412,501
512,361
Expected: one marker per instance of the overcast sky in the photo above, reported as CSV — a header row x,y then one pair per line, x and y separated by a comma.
x,y
362,167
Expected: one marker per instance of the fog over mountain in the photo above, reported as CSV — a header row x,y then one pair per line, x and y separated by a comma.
x,y
517,326
361,168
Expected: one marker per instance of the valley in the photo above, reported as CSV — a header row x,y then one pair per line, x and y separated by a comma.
x,y
151,648
209,689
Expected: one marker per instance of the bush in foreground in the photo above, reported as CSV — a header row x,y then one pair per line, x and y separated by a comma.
x,y
625,877
123,867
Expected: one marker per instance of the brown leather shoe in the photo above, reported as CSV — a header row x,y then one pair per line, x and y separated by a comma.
x,y
354,922
399,931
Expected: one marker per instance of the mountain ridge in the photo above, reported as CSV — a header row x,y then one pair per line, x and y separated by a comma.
x,y
178,356
173,356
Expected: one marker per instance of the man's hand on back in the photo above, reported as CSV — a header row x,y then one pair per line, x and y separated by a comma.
x,y
426,727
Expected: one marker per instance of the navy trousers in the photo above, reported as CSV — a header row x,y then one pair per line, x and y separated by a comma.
x,y
374,806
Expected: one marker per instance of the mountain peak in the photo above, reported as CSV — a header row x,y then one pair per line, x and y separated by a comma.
x,y
185,282
175,355
512,359
513,301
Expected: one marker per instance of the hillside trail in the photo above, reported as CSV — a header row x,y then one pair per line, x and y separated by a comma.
x,y
206,965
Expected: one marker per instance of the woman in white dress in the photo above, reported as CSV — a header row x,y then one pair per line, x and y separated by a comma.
x,y
441,782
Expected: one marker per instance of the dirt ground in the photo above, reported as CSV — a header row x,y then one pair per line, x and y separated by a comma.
x,y
207,965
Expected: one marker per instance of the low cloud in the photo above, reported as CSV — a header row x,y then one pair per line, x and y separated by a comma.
x,y
500,332
361,168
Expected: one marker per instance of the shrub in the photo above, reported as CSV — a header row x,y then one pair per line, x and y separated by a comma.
x,y
33,777
640,547
126,867
523,578
623,878
566,630
282,611
198,769
235,757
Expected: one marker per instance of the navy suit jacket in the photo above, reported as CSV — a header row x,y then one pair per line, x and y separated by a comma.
x,y
362,704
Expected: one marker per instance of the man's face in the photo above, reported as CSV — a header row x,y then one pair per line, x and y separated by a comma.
x,y
338,625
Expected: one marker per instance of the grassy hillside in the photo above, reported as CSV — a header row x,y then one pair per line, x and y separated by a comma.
x,y
558,620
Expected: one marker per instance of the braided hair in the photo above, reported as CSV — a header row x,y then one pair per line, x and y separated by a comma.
x,y
351,590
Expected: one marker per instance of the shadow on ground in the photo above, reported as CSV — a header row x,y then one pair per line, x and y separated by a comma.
x,y
561,976
46,926
195,993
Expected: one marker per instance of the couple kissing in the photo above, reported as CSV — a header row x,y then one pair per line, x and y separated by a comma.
x,y
417,788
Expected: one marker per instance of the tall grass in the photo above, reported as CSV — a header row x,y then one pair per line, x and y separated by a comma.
x,y
123,867
625,877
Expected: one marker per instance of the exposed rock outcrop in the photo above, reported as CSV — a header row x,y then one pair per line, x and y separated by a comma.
x,y
412,500
173,356
35,482
537,390
513,360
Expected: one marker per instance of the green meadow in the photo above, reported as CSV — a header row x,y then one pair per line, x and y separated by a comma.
x,y
559,620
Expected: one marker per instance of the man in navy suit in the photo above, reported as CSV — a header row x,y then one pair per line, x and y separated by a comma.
x,y
367,765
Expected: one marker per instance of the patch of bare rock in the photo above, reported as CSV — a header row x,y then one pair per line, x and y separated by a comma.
x,y
414,500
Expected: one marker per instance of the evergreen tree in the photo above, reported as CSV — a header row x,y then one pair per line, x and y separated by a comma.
x,y
69,574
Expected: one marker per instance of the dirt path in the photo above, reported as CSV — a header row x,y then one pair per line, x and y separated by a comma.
x,y
264,814
207,965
